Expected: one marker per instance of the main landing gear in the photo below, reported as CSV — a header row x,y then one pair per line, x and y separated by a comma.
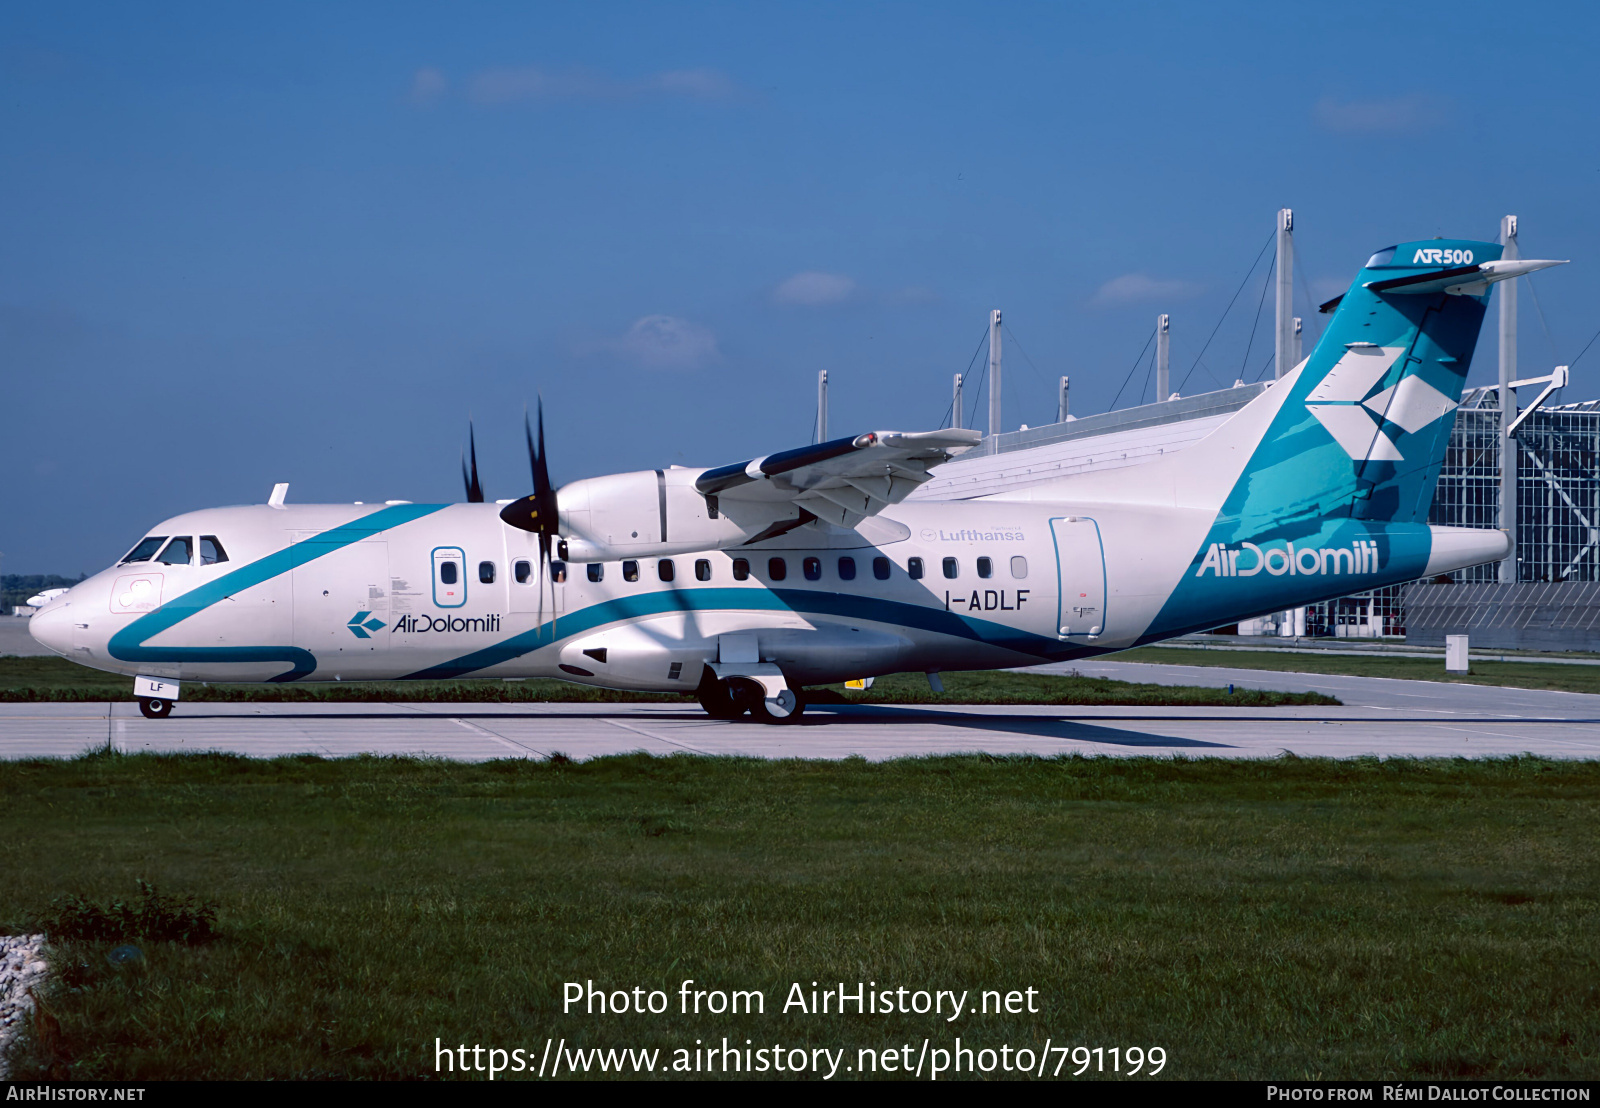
x,y
732,697
154,707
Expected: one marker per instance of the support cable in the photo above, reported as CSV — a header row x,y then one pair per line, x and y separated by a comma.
x,y
1225,312
1042,382
1137,362
1144,390
1540,309
1585,349
950,408
1244,363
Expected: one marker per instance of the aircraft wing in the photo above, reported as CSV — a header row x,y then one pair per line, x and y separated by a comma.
x,y
841,481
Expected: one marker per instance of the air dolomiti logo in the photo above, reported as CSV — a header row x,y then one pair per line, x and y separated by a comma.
x,y
1248,559
1360,416
424,624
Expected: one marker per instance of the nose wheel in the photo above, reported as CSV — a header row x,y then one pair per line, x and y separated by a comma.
x,y
153,707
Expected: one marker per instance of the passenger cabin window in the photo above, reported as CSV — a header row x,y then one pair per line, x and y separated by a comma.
x,y
449,584
880,568
777,569
211,551
847,569
179,552
702,570
146,549
597,571
486,573
630,570
522,571
951,569
558,572
741,569
665,569
1019,567
985,567
812,567
914,568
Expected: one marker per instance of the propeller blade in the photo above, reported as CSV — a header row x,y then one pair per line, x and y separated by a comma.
x,y
538,512
474,486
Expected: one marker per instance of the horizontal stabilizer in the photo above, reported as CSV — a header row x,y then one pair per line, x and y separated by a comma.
x,y
1463,280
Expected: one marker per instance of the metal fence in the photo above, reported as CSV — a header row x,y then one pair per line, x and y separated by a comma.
x,y
1558,506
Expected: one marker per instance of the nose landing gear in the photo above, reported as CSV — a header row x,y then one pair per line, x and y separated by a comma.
x,y
156,696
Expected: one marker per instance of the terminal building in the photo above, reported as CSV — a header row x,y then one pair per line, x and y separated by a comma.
x,y
1533,469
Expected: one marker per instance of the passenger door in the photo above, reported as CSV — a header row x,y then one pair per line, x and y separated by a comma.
x,y
1081,569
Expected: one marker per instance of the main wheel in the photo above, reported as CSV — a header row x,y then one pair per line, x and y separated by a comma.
x,y
719,699
789,699
154,707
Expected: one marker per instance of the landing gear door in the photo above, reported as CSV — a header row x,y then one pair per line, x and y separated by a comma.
x,y
1081,567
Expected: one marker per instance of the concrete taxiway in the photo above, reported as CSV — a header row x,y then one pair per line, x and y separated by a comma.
x,y
1386,718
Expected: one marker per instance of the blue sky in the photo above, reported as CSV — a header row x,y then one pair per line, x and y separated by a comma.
x,y
304,243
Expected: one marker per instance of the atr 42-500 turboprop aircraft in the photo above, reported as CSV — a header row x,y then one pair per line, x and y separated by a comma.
x,y
748,582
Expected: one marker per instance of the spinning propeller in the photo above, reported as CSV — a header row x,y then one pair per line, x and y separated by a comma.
x,y
474,487
537,512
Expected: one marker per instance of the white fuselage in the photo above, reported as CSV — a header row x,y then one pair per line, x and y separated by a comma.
x,y
345,592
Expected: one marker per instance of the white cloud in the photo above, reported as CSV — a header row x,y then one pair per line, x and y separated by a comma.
x,y
533,84
914,294
701,84
1394,115
664,342
813,288
427,85
1138,288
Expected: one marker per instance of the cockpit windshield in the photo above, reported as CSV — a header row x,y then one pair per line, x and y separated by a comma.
x,y
145,550
179,552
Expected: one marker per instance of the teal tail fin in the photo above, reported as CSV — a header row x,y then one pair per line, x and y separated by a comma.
x,y
1339,459
1364,430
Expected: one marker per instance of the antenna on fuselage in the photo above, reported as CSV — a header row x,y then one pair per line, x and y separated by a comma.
x,y
280,493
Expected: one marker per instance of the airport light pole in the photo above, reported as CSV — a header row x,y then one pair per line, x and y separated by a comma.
x,y
822,405
955,403
994,372
1283,347
1507,574
1163,357
1063,402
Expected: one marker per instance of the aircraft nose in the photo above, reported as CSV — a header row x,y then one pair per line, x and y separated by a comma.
x,y
51,627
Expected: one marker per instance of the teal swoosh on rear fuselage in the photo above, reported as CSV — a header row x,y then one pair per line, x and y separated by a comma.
x,y
801,601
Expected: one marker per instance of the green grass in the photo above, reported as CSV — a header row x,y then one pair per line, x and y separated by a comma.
x,y
1282,919
56,679
1518,675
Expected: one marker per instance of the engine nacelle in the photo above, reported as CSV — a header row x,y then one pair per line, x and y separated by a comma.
x,y
654,513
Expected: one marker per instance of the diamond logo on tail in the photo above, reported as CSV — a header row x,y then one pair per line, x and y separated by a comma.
x,y
1355,420
359,625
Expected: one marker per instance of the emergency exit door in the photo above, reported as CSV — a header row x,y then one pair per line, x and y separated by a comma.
x,y
1081,571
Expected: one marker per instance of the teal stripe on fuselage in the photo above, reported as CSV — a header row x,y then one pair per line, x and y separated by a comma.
x,y
804,601
128,644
